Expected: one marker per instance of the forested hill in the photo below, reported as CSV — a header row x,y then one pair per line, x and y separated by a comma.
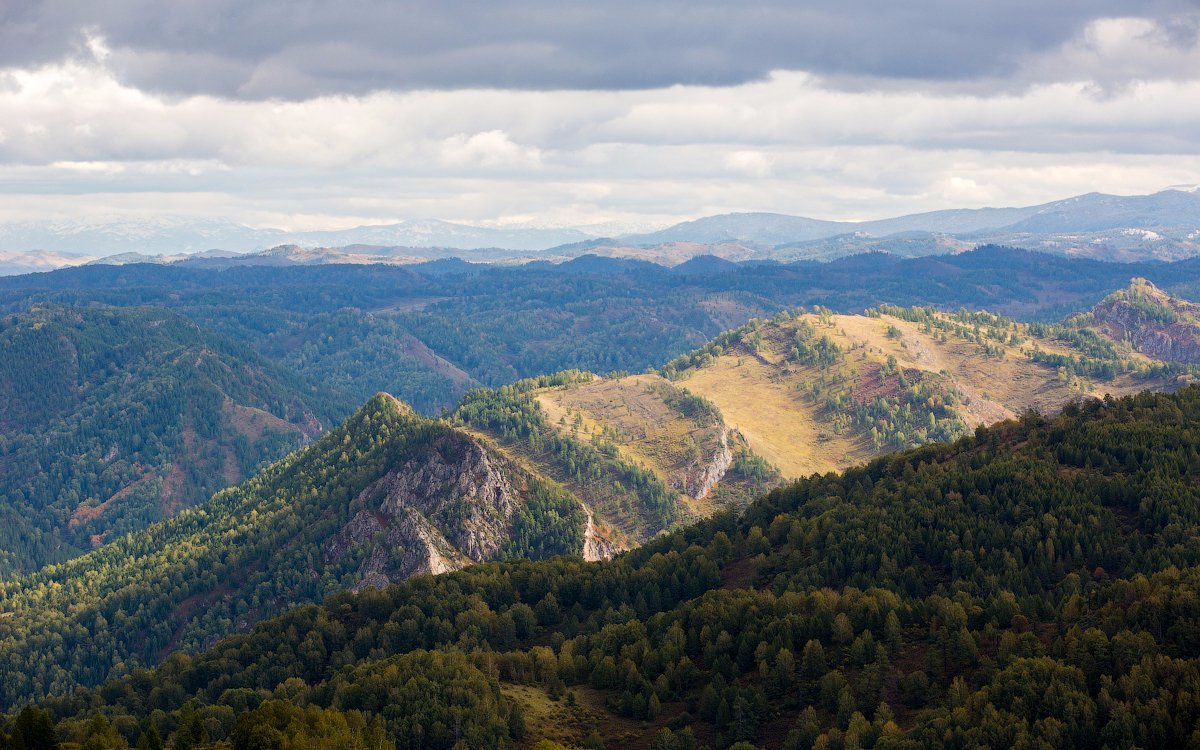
x,y
387,495
1032,584
111,419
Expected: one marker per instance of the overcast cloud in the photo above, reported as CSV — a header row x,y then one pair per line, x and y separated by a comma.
x,y
335,113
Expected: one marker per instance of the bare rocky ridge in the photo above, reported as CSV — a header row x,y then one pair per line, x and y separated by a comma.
x,y
448,506
1152,322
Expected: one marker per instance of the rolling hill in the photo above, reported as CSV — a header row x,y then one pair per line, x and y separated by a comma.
x,y
818,392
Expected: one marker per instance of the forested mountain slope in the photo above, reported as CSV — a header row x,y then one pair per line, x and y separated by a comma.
x,y
1033,584
387,495
111,419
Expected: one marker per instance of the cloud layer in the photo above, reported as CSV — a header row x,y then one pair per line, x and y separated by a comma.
x,y
281,49
334,113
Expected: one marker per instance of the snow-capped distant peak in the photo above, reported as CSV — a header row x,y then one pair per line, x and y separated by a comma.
x,y
1185,188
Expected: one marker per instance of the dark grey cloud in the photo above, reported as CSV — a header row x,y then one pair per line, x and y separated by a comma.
x,y
259,49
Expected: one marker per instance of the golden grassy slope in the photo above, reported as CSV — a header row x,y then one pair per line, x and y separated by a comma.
x,y
777,420
770,401
632,413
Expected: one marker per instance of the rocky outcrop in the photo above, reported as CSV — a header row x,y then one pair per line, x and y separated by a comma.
x,y
1153,322
409,546
596,547
448,505
701,477
1171,344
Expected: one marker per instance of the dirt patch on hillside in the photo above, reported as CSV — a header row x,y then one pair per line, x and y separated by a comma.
x,y
872,383
170,498
417,349
252,422
183,615
85,514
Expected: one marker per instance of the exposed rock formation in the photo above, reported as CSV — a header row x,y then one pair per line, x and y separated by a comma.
x,y
1153,322
596,547
450,504
701,477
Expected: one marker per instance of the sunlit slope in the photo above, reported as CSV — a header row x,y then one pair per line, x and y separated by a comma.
x,y
653,423
641,454
818,392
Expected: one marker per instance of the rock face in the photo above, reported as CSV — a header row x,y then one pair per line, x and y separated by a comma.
x,y
596,547
1154,323
699,479
447,506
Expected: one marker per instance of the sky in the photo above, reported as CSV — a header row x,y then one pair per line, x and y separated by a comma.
x,y
624,114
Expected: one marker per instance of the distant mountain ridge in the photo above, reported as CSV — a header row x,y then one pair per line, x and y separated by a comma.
x,y
1092,212
172,236
1164,225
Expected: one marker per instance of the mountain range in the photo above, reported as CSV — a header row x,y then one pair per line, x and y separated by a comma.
x,y
1163,226
842,605
564,464
712,542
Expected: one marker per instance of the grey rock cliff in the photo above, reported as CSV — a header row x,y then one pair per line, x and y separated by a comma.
x,y
450,504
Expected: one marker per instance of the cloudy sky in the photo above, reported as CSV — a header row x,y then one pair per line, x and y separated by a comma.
x,y
328,113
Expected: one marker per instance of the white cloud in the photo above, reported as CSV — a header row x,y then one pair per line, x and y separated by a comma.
x,y
75,138
752,163
491,148
1111,53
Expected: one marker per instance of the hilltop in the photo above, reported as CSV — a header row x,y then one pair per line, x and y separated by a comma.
x,y
1150,321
